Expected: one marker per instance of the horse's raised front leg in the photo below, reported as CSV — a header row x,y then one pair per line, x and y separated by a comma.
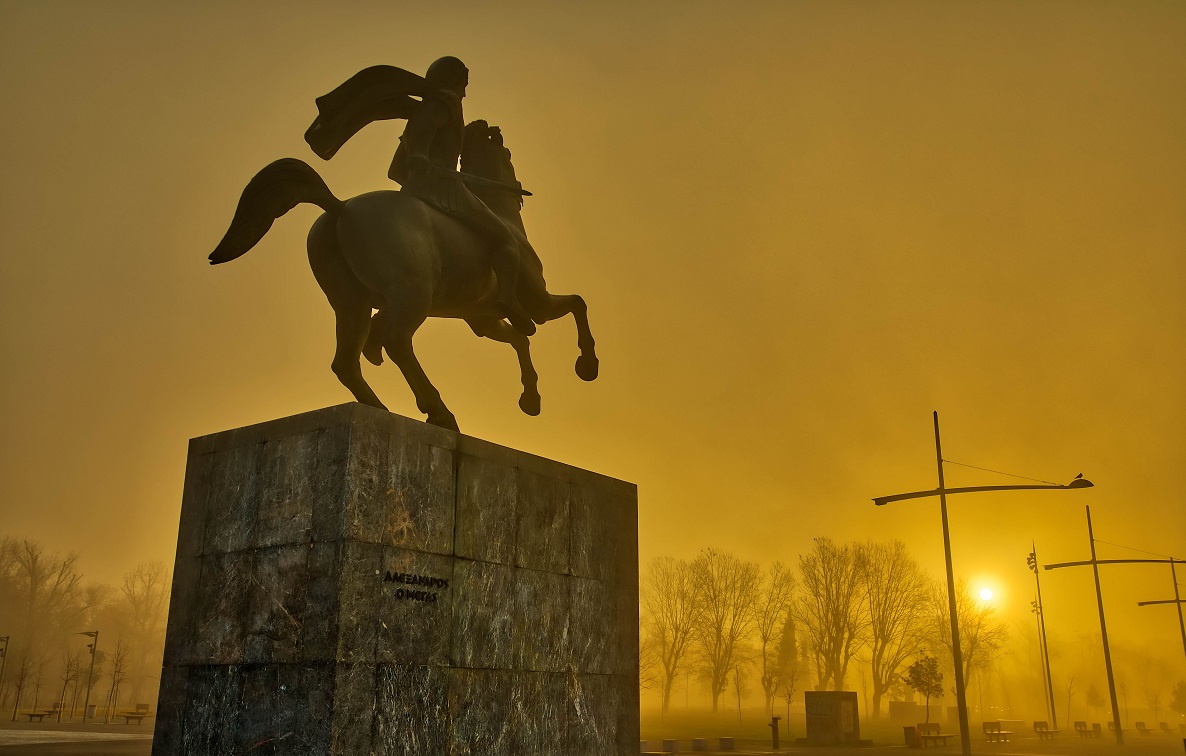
x,y
400,320
499,330
553,306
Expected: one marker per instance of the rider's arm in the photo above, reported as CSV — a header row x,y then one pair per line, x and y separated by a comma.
x,y
417,139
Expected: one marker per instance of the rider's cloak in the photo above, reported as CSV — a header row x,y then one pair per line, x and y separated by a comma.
x,y
378,93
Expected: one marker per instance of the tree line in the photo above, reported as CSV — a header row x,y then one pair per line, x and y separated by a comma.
x,y
727,621
46,608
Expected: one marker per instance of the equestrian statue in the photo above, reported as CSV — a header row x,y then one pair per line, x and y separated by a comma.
x,y
449,244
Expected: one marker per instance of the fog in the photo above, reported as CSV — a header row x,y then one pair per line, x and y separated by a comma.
x,y
800,228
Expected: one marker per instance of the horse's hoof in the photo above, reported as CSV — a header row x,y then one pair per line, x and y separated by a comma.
x,y
529,403
444,420
587,367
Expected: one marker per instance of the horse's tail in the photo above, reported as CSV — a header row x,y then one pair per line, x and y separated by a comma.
x,y
273,191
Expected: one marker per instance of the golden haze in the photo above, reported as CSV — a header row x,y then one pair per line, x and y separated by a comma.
x,y
800,227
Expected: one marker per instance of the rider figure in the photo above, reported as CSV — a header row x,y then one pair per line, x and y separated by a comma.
x,y
425,165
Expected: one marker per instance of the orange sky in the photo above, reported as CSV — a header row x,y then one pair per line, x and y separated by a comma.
x,y
800,228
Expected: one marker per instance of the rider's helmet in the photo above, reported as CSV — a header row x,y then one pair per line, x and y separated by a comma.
x,y
448,73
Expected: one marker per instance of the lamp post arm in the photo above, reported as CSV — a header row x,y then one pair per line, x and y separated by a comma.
x,y
1076,483
1109,561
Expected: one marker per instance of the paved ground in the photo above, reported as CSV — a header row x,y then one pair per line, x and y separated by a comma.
x,y
1152,745
118,740
74,739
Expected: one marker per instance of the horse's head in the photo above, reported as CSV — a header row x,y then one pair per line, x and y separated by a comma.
x,y
483,154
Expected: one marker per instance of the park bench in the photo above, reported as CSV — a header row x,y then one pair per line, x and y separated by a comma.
x,y
928,733
1044,731
994,734
1141,728
139,714
39,714
1164,727
1082,730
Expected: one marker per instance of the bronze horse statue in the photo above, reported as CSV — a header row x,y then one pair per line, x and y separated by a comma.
x,y
391,254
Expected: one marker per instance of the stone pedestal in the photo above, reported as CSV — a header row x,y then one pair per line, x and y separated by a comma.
x,y
350,581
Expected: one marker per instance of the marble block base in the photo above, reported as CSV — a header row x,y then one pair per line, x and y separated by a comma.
x,y
352,582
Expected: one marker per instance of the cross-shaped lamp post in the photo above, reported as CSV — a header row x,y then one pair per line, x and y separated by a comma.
x,y
942,492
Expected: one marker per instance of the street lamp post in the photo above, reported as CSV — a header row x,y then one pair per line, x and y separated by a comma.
x,y
1099,600
1032,560
1046,693
93,646
3,660
1177,601
942,492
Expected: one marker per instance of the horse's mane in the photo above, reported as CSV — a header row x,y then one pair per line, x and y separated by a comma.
x,y
483,154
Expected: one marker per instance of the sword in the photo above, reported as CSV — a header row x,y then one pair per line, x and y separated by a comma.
x,y
470,178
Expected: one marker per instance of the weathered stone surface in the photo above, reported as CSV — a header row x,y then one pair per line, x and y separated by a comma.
x,y
412,711
594,641
542,531
168,730
329,484
352,582
540,628
358,606
480,706
400,491
539,717
222,602
486,510
233,501
287,469
211,707
276,604
303,697
483,614
183,615
592,702
353,714
191,530
319,625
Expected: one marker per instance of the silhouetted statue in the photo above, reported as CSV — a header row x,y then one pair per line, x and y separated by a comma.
x,y
450,244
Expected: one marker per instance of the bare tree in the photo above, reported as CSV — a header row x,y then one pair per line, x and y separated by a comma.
x,y
740,678
897,593
1070,694
982,636
726,589
670,610
47,585
830,609
23,670
146,596
119,673
773,610
69,676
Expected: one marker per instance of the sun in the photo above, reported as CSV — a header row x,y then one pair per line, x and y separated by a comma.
x,y
986,594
